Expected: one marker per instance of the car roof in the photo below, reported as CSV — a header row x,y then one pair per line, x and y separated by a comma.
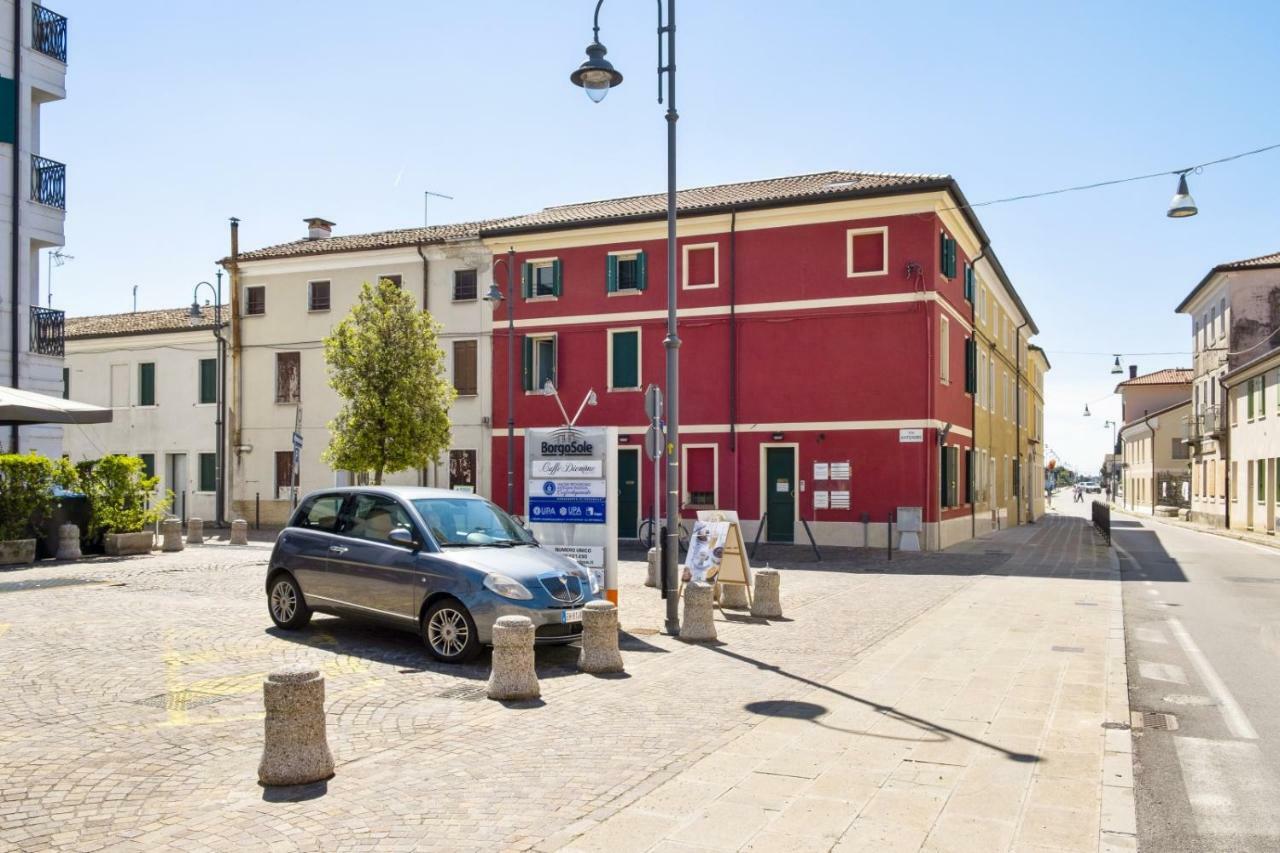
x,y
408,493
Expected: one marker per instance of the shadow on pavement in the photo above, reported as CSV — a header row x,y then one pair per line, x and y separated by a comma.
x,y
295,793
811,711
1144,544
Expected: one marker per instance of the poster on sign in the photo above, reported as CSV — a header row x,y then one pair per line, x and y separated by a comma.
x,y
706,550
732,565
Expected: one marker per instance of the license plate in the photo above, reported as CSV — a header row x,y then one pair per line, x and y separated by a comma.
x,y
568,616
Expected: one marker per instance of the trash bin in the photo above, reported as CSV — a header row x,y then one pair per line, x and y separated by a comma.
x,y
69,508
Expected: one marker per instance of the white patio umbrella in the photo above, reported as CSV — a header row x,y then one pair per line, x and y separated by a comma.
x,y
27,407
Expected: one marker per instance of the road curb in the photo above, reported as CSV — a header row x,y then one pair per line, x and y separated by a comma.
x,y
1118,821
1252,539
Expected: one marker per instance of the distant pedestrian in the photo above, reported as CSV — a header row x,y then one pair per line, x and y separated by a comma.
x,y
1079,494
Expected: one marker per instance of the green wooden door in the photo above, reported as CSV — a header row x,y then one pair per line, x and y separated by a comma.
x,y
780,493
628,492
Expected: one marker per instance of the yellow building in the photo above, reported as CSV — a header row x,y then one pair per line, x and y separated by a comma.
x,y
1008,416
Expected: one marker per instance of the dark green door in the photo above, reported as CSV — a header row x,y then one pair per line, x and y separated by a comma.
x,y
780,493
628,492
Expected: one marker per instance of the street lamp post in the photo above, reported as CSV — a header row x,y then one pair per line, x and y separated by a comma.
x,y
597,76
220,474
494,296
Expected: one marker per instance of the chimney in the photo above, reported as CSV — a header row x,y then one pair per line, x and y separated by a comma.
x,y
318,229
1133,371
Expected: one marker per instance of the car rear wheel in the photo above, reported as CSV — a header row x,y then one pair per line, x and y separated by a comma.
x,y
449,631
285,603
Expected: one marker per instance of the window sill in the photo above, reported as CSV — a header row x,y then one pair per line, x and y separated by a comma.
x,y
541,298
462,396
623,390
318,310
866,273
711,286
288,402
468,299
147,406
630,291
259,314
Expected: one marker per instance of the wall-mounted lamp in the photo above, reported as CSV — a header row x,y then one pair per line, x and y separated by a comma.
x,y
777,436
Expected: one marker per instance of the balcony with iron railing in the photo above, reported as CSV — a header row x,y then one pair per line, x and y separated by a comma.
x,y
48,182
48,32
48,331
1205,424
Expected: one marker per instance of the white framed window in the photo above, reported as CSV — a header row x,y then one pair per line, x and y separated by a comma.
x,y
625,272
393,277
700,266
1222,317
699,474
540,278
318,295
944,351
539,362
624,359
866,252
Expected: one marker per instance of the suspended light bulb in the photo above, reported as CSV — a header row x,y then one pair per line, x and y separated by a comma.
x,y
597,75
1116,368
1087,413
1182,205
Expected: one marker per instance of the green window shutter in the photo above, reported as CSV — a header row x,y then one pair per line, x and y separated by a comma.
x,y
951,258
1250,399
626,360
942,252
527,362
526,279
208,472
1262,480
968,476
208,380
148,464
970,366
8,110
556,277
1262,396
943,475
611,274
968,282
642,272
147,384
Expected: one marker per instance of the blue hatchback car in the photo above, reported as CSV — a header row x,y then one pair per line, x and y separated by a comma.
x,y
444,564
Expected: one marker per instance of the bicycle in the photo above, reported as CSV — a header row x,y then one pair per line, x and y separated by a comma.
x,y
645,534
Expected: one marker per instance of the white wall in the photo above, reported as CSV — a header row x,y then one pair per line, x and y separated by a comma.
x,y
176,424
1253,439
266,427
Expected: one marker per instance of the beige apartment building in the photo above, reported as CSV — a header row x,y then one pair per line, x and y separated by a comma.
x,y
1154,456
285,300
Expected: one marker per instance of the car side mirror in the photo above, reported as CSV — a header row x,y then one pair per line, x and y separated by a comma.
x,y
402,537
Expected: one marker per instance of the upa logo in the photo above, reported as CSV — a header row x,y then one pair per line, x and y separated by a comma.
x,y
549,488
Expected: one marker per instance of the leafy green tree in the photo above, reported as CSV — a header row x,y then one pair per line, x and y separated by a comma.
x,y
388,368
26,492
121,495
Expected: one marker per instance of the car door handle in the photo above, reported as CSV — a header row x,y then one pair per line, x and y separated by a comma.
x,y
337,549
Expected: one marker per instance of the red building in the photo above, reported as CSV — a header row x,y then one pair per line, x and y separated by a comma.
x,y
827,364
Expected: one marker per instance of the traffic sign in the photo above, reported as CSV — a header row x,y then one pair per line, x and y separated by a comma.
x,y
297,441
653,402
652,443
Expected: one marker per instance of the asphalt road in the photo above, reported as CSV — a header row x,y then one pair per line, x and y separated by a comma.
x,y
1202,635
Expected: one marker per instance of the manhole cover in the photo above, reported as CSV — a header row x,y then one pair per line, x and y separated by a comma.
x,y
1073,649
180,700
47,583
1255,580
1154,720
465,692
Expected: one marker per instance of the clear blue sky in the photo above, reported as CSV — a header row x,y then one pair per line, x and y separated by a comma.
x,y
179,115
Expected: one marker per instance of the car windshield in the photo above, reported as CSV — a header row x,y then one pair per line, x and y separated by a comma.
x,y
470,522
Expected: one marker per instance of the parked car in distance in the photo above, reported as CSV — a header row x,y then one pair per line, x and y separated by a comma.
x,y
1093,487
441,563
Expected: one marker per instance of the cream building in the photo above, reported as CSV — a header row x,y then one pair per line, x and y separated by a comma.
x,y
1153,454
1234,320
31,335
157,371
1252,394
286,298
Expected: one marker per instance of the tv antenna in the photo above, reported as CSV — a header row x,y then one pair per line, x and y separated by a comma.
x,y
426,204
56,259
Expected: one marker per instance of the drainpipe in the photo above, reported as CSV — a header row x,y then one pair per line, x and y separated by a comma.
x,y
237,363
733,352
973,419
1017,416
1224,450
426,307
15,216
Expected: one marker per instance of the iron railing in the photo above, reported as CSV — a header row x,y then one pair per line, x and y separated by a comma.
x,y
1207,423
1102,519
47,331
48,182
48,32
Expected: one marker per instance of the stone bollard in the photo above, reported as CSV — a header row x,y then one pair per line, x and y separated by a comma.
x,y
513,676
195,531
239,532
68,542
696,622
655,570
765,600
171,529
733,595
600,638
296,750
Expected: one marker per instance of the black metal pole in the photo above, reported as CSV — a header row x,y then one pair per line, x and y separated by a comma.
x,y
671,553
511,383
15,213
220,492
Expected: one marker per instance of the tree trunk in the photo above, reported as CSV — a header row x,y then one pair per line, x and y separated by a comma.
x,y
377,476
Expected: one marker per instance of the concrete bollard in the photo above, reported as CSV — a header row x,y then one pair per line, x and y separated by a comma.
x,y
513,676
68,542
697,624
733,595
655,570
296,749
239,532
766,600
600,638
171,529
195,531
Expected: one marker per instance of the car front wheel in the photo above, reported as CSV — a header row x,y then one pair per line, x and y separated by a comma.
x,y
450,632
286,605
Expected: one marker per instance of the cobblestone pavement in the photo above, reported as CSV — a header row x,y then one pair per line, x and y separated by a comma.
x,y
131,717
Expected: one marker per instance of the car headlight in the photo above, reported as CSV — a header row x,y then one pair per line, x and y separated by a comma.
x,y
506,587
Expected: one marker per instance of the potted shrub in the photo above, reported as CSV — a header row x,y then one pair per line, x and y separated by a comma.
x,y
122,505
26,498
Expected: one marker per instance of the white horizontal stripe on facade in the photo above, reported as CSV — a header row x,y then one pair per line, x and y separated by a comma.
x,y
804,426
747,308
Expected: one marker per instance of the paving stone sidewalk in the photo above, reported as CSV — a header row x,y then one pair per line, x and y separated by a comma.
x,y
132,713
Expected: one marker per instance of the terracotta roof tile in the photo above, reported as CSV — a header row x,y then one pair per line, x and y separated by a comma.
x,y
796,187
1168,376
141,323
358,242
1260,262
